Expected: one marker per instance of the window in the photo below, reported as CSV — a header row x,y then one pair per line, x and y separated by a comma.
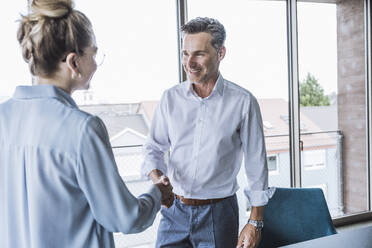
x,y
272,164
139,39
331,59
315,159
140,42
14,70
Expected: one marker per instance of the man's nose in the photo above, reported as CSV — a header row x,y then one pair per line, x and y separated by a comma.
x,y
191,61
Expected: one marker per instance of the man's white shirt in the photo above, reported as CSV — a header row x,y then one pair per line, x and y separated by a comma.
x,y
206,139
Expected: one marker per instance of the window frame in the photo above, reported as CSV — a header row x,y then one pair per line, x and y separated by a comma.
x,y
294,106
293,83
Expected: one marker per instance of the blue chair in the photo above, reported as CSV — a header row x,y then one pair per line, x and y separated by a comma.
x,y
294,215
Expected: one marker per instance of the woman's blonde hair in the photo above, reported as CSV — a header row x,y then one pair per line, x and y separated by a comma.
x,y
51,30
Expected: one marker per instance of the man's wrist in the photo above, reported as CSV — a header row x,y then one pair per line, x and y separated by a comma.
x,y
155,175
257,224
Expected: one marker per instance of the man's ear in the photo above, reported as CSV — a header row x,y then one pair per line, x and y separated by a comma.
x,y
221,53
71,64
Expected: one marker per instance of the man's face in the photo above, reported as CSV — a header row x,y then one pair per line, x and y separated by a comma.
x,y
200,59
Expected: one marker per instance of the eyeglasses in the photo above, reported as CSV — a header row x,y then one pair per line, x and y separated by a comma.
x,y
99,57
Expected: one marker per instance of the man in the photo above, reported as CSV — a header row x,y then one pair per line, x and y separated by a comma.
x,y
208,123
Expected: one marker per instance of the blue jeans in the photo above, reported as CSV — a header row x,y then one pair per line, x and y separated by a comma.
x,y
212,225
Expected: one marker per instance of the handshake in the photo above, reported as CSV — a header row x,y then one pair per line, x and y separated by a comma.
x,y
165,187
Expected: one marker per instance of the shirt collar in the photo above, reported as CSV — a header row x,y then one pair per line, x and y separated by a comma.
x,y
218,87
44,91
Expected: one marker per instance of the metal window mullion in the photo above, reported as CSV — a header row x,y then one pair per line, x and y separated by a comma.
x,y
367,33
181,7
294,120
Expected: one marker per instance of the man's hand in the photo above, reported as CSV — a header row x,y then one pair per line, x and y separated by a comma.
x,y
164,185
167,196
249,237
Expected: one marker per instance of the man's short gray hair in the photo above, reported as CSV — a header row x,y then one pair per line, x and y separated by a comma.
x,y
207,25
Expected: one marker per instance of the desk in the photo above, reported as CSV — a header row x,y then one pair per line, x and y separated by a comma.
x,y
356,238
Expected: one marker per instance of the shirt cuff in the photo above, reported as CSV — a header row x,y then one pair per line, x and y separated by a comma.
x,y
155,195
151,202
154,191
257,198
147,167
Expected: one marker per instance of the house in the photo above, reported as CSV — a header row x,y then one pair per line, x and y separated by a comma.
x,y
321,148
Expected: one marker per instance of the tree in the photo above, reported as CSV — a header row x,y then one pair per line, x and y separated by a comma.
x,y
311,93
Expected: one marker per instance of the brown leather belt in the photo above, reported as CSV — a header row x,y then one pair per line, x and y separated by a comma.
x,y
198,202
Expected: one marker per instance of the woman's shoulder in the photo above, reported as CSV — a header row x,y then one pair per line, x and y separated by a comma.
x,y
90,122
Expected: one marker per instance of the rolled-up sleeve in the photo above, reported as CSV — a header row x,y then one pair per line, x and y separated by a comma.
x,y
255,161
157,144
111,203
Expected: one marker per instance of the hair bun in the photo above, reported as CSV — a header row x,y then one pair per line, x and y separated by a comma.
x,y
50,8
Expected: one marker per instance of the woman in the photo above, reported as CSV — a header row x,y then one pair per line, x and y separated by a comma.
x,y
59,184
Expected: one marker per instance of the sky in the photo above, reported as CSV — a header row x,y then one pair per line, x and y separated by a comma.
x,y
141,46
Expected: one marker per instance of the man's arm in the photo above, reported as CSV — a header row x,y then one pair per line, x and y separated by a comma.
x,y
257,213
157,144
255,162
250,236
255,158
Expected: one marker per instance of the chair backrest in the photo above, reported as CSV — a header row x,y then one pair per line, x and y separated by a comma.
x,y
294,215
